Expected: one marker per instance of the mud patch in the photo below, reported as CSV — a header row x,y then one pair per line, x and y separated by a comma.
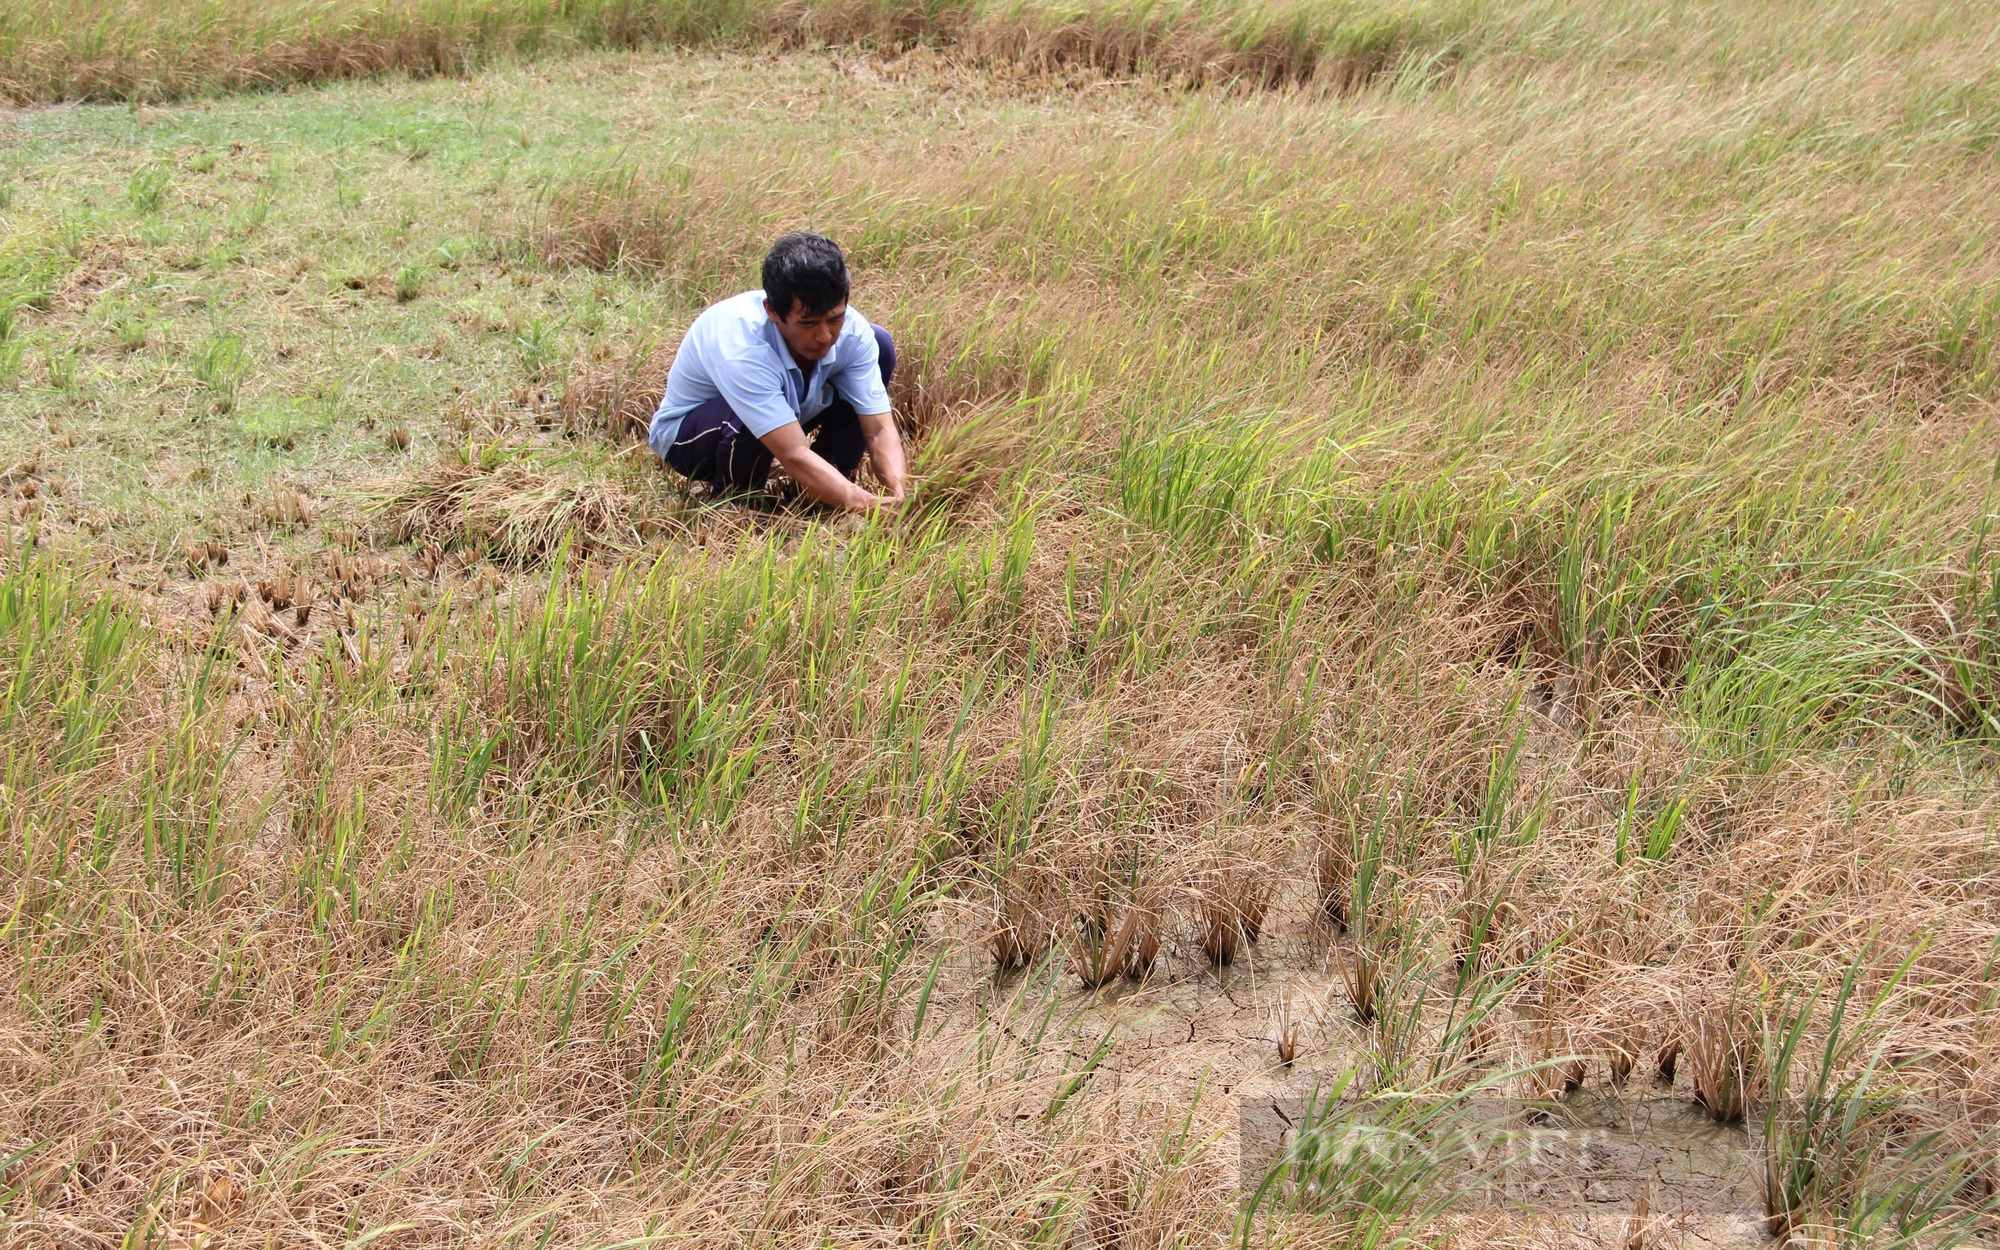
x,y
1587,1163
1577,1166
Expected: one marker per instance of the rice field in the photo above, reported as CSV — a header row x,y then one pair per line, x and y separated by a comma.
x,y
1439,684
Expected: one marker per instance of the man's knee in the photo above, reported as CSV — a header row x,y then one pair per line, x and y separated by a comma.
x,y
712,444
886,348
743,463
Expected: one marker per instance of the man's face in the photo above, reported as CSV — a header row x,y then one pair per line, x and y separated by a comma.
x,y
809,335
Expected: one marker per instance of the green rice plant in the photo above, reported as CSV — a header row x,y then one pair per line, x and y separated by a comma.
x,y
34,285
251,217
539,345
277,423
1810,670
66,663
1968,670
463,754
1016,825
1480,993
186,809
1499,822
60,365
884,918
218,364
1842,1158
409,284
1654,832
347,189
328,879
1361,969
1384,1167
1483,915
1199,482
1616,599
219,258
126,318
580,674
131,331
1403,993
11,348
72,231
147,189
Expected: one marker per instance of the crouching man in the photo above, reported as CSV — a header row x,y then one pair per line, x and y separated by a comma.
x,y
789,373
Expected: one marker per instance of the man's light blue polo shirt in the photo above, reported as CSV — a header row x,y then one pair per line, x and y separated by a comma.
x,y
734,350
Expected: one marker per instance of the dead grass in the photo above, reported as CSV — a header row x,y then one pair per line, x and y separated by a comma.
x,y
615,397
499,503
1724,1062
162,49
737,907
1495,515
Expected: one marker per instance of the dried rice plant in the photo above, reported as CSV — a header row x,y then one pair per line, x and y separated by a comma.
x,y
1107,943
510,509
1285,1028
165,51
1639,1223
1232,906
286,588
1621,1054
352,576
1559,1069
1020,934
1116,931
282,509
223,596
615,396
1361,976
1724,1060
1333,876
1667,1060
200,554
969,455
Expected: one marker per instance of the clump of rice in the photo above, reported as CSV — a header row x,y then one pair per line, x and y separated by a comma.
x,y
510,509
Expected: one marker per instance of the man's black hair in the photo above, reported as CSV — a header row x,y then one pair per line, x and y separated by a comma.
x,y
807,269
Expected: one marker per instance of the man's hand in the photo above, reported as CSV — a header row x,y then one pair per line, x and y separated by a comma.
x,y
885,450
821,480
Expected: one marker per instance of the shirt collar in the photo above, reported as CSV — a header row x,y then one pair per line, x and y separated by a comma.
x,y
769,329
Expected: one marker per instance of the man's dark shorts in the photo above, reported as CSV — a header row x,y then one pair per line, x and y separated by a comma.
x,y
713,445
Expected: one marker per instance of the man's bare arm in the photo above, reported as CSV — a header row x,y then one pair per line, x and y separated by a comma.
x,y
814,475
885,450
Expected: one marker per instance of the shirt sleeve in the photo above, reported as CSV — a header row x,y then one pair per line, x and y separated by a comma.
x,y
749,382
859,380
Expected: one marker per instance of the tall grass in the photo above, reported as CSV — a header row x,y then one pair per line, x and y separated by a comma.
x,y
166,49
1711,542
144,50
1836,1162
